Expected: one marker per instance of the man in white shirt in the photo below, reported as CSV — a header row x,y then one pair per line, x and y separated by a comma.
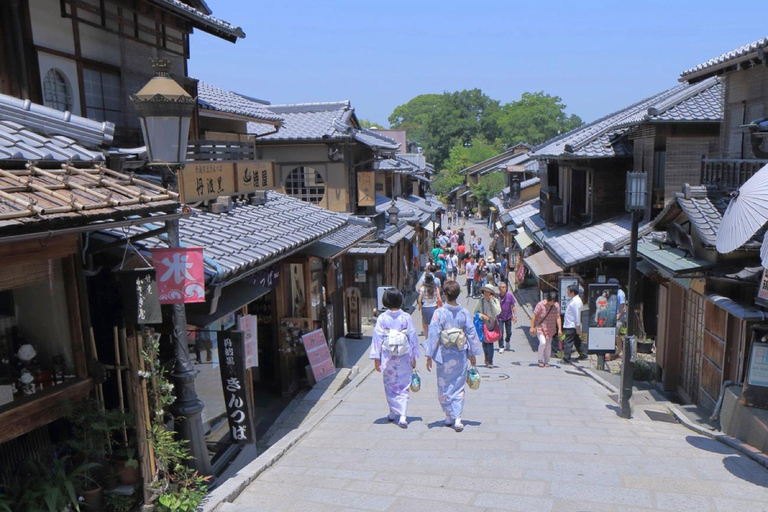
x,y
572,326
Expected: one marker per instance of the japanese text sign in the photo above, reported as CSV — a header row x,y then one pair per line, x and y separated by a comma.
x,y
762,290
319,355
603,307
267,278
236,387
140,296
253,176
249,326
180,274
366,193
203,181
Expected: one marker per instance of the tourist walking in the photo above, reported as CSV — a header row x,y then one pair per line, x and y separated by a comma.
x,y
461,254
488,308
571,327
471,267
452,343
507,317
451,265
394,350
429,296
545,324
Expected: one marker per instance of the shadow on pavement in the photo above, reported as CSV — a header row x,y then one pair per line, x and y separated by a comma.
x,y
737,464
710,445
385,420
441,424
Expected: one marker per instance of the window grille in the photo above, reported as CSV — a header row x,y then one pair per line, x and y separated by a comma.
x,y
305,183
102,96
57,92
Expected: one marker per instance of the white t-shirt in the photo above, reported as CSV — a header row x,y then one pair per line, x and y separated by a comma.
x,y
571,319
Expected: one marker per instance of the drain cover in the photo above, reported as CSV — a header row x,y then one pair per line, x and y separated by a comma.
x,y
494,376
661,416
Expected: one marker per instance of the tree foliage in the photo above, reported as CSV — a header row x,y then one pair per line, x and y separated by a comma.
x,y
460,157
366,123
488,186
441,122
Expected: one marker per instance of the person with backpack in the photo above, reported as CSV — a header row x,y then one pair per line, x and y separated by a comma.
x,y
452,344
451,265
394,350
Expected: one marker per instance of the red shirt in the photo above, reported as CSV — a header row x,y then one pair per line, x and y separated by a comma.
x,y
461,249
546,318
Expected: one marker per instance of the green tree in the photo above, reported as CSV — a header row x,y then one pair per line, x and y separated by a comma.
x,y
460,157
365,123
488,186
535,118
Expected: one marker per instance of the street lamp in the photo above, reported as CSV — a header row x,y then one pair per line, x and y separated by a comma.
x,y
165,110
393,213
635,202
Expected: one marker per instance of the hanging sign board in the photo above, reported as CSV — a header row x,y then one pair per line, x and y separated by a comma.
x,y
180,274
202,181
319,355
249,324
267,278
762,291
141,301
565,282
366,189
603,305
253,176
237,390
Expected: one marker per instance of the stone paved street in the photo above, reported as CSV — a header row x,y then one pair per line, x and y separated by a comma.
x,y
536,440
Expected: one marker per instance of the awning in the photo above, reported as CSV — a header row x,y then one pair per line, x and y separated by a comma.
x,y
498,225
523,240
541,264
431,226
673,260
233,298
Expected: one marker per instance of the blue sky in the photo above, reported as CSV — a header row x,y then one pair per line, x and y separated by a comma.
x,y
598,56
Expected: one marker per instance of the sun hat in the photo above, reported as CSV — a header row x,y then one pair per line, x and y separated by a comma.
x,y
491,288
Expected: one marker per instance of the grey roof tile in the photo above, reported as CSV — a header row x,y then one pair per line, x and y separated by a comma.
x,y
741,53
216,99
421,203
408,210
24,144
497,162
203,19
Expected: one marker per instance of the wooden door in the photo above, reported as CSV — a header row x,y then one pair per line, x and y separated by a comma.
x,y
691,347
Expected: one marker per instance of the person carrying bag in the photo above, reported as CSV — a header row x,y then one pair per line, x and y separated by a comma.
x,y
489,309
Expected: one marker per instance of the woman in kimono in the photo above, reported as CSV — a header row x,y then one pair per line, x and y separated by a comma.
x,y
394,349
452,343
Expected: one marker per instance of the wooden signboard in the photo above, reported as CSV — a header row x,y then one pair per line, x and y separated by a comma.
x,y
200,181
366,189
253,176
237,389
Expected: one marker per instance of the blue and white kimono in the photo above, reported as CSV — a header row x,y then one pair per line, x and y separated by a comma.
x,y
452,363
395,369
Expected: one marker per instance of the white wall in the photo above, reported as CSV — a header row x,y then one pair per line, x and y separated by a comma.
x,y
49,29
99,45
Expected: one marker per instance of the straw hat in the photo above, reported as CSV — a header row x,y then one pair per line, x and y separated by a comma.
x,y
491,288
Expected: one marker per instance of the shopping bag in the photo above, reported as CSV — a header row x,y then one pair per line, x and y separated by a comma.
x,y
415,381
473,378
479,327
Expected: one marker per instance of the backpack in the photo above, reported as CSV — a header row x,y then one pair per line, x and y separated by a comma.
x,y
453,336
396,342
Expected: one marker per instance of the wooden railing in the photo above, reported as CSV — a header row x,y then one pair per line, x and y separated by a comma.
x,y
728,173
220,151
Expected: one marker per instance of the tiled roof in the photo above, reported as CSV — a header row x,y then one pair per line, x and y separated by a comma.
x,y
369,248
421,203
250,236
496,202
408,210
671,258
203,20
524,184
214,99
521,212
498,162
20,143
23,114
742,53
319,121
396,164
396,233
603,138
340,240
705,212
37,199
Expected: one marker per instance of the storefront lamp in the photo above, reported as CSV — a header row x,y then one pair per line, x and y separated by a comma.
x,y
636,191
393,213
165,111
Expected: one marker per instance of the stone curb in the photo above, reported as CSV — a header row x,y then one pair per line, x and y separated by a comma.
x,y
232,488
596,378
727,440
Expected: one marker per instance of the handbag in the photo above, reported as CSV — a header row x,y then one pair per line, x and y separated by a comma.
x,y
473,378
492,335
415,381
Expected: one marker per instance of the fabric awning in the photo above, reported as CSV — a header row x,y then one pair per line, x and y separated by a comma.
x,y
541,264
431,226
523,240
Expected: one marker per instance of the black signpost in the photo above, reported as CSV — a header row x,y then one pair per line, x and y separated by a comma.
x,y
237,389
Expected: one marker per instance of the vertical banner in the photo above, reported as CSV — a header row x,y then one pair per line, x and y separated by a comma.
x,y
248,324
319,355
180,274
237,389
603,307
141,302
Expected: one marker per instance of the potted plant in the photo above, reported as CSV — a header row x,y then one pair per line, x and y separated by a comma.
x,y
645,346
51,488
126,465
119,502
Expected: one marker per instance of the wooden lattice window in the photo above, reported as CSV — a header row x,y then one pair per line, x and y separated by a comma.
x,y
305,183
692,345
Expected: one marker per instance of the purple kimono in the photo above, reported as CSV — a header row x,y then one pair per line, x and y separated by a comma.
x,y
452,363
395,369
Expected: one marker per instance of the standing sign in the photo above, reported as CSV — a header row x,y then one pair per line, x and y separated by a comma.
x,y
603,307
248,324
319,355
366,192
180,274
237,390
758,365
565,282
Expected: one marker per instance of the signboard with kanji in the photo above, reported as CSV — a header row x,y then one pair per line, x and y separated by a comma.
x,y
237,389
141,304
253,176
249,326
762,290
200,181
180,274
366,189
267,278
319,354
602,300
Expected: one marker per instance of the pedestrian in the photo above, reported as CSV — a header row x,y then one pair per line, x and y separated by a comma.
x,y
428,301
621,316
394,350
507,317
572,326
203,343
449,217
436,252
545,324
441,261
461,236
452,343
481,274
451,265
454,240
472,238
471,268
504,270
489,308
479,248
461,254
466,214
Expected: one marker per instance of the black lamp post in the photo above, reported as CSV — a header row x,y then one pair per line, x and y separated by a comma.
x,y
635,202
165,111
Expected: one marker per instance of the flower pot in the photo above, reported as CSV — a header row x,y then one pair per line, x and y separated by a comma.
x,y
93,499
644,348
127,475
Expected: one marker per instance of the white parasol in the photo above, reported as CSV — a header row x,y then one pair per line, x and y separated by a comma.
x,y
764,250
746,213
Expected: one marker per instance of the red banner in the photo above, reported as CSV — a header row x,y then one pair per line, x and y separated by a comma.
x,y
180,275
